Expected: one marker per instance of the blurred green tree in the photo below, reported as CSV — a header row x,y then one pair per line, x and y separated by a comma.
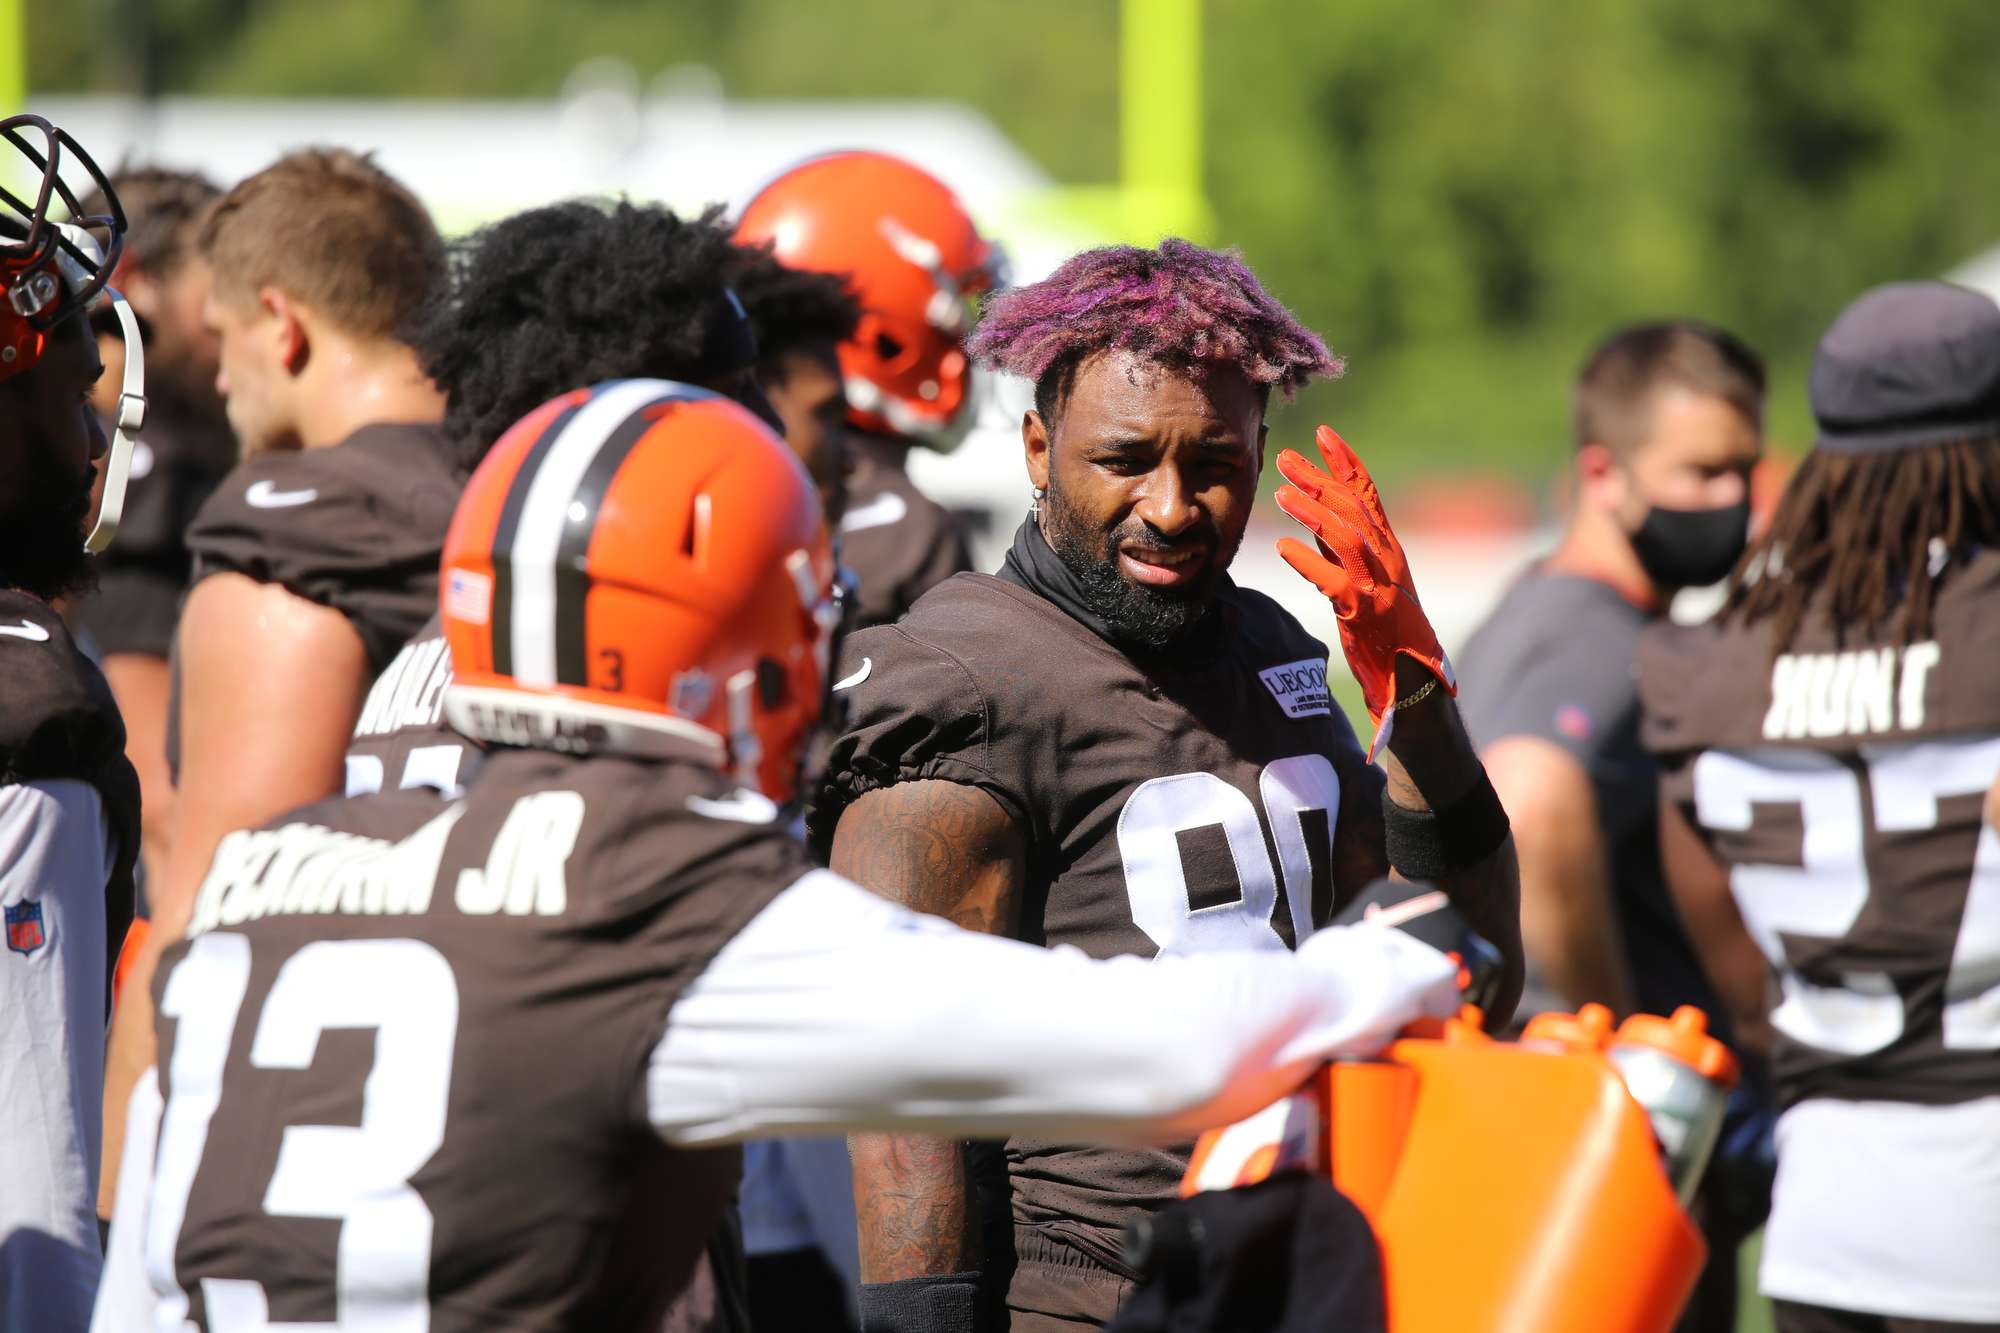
x,y
1466,193
1463,194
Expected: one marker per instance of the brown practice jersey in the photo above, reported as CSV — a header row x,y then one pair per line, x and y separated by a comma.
x,y
176,465
1215,802
404,1051
1842,782
358,526
899,542
401,738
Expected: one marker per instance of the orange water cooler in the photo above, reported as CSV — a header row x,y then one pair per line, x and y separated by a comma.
x,y
1514,1187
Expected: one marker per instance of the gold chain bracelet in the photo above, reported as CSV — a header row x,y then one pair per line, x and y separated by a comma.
x,y
1417,696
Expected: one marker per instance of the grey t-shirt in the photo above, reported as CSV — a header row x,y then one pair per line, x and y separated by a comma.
x,y
1555,660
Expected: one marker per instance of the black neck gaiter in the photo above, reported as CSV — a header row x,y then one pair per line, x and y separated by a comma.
x,y
1032,564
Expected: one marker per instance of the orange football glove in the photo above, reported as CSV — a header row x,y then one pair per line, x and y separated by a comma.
x,y
1361,568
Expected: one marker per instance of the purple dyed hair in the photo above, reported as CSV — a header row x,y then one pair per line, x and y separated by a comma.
x,y
1180,306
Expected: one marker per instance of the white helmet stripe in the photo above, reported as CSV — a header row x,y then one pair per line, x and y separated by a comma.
x,y
538,536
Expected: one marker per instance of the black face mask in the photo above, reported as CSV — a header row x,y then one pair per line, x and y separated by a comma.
x,y
1691,548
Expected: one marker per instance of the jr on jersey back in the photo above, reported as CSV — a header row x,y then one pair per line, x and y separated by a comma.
x,y
435,1016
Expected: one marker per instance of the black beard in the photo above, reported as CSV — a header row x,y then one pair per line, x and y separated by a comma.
x,y
1136,612
41,542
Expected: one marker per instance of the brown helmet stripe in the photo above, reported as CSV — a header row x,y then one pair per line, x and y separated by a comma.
x,y
503,539
573,552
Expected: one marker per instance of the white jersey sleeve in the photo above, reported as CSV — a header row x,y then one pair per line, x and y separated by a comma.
x,y
125,1298
838,1010
55,857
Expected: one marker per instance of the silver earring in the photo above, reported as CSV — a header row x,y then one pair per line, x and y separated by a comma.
x,y
1035,503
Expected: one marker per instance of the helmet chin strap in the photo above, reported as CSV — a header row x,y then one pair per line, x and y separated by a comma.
x,y
131,419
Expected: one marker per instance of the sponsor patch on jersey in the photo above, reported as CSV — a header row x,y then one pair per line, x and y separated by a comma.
x,y
1299,687
468,596
24,927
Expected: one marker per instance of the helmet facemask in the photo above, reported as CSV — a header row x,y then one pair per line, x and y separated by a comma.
x,y
52,270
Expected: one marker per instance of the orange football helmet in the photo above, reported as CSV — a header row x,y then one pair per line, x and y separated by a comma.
x,y
50,270
914,259
636,568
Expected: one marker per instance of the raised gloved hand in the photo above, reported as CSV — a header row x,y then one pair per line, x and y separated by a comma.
x,y
1361,568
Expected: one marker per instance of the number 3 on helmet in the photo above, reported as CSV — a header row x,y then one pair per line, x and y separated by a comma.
x,y
641,568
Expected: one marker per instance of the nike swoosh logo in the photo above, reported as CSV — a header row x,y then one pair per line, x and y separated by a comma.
x,y
266,495
1407,910
880,512
27,629
742,805
867,665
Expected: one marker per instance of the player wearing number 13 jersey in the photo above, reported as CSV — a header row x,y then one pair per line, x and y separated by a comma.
x,y
1832,743
1110,746
455,1063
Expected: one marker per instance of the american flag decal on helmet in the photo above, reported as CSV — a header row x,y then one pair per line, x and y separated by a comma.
x,y
468,596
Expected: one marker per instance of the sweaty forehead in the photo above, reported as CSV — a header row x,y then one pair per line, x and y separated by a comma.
x,y
1118,394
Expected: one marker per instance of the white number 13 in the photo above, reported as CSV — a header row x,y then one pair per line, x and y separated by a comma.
x,y
359,1175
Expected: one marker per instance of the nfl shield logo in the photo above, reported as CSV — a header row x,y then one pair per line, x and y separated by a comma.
x,y
24,928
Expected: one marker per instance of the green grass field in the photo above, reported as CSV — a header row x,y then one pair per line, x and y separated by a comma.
x,y
1753,1312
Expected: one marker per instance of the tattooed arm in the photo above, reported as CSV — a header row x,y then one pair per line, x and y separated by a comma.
x,y
1431,764
949,850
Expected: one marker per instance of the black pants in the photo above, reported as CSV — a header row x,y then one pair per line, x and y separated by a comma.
x,y
1792,1317
797,1291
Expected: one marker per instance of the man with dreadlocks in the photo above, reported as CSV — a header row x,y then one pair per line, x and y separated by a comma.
x,y
1111,746
1831,744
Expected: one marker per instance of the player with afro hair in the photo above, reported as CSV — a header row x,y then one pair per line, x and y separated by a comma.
x,y
801,318
574,294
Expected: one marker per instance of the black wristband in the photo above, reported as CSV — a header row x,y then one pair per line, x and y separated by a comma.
x,y
1428,844
938,1303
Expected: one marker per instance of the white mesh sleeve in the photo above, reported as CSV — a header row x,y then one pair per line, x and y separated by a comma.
x,y
55,856
838,1010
